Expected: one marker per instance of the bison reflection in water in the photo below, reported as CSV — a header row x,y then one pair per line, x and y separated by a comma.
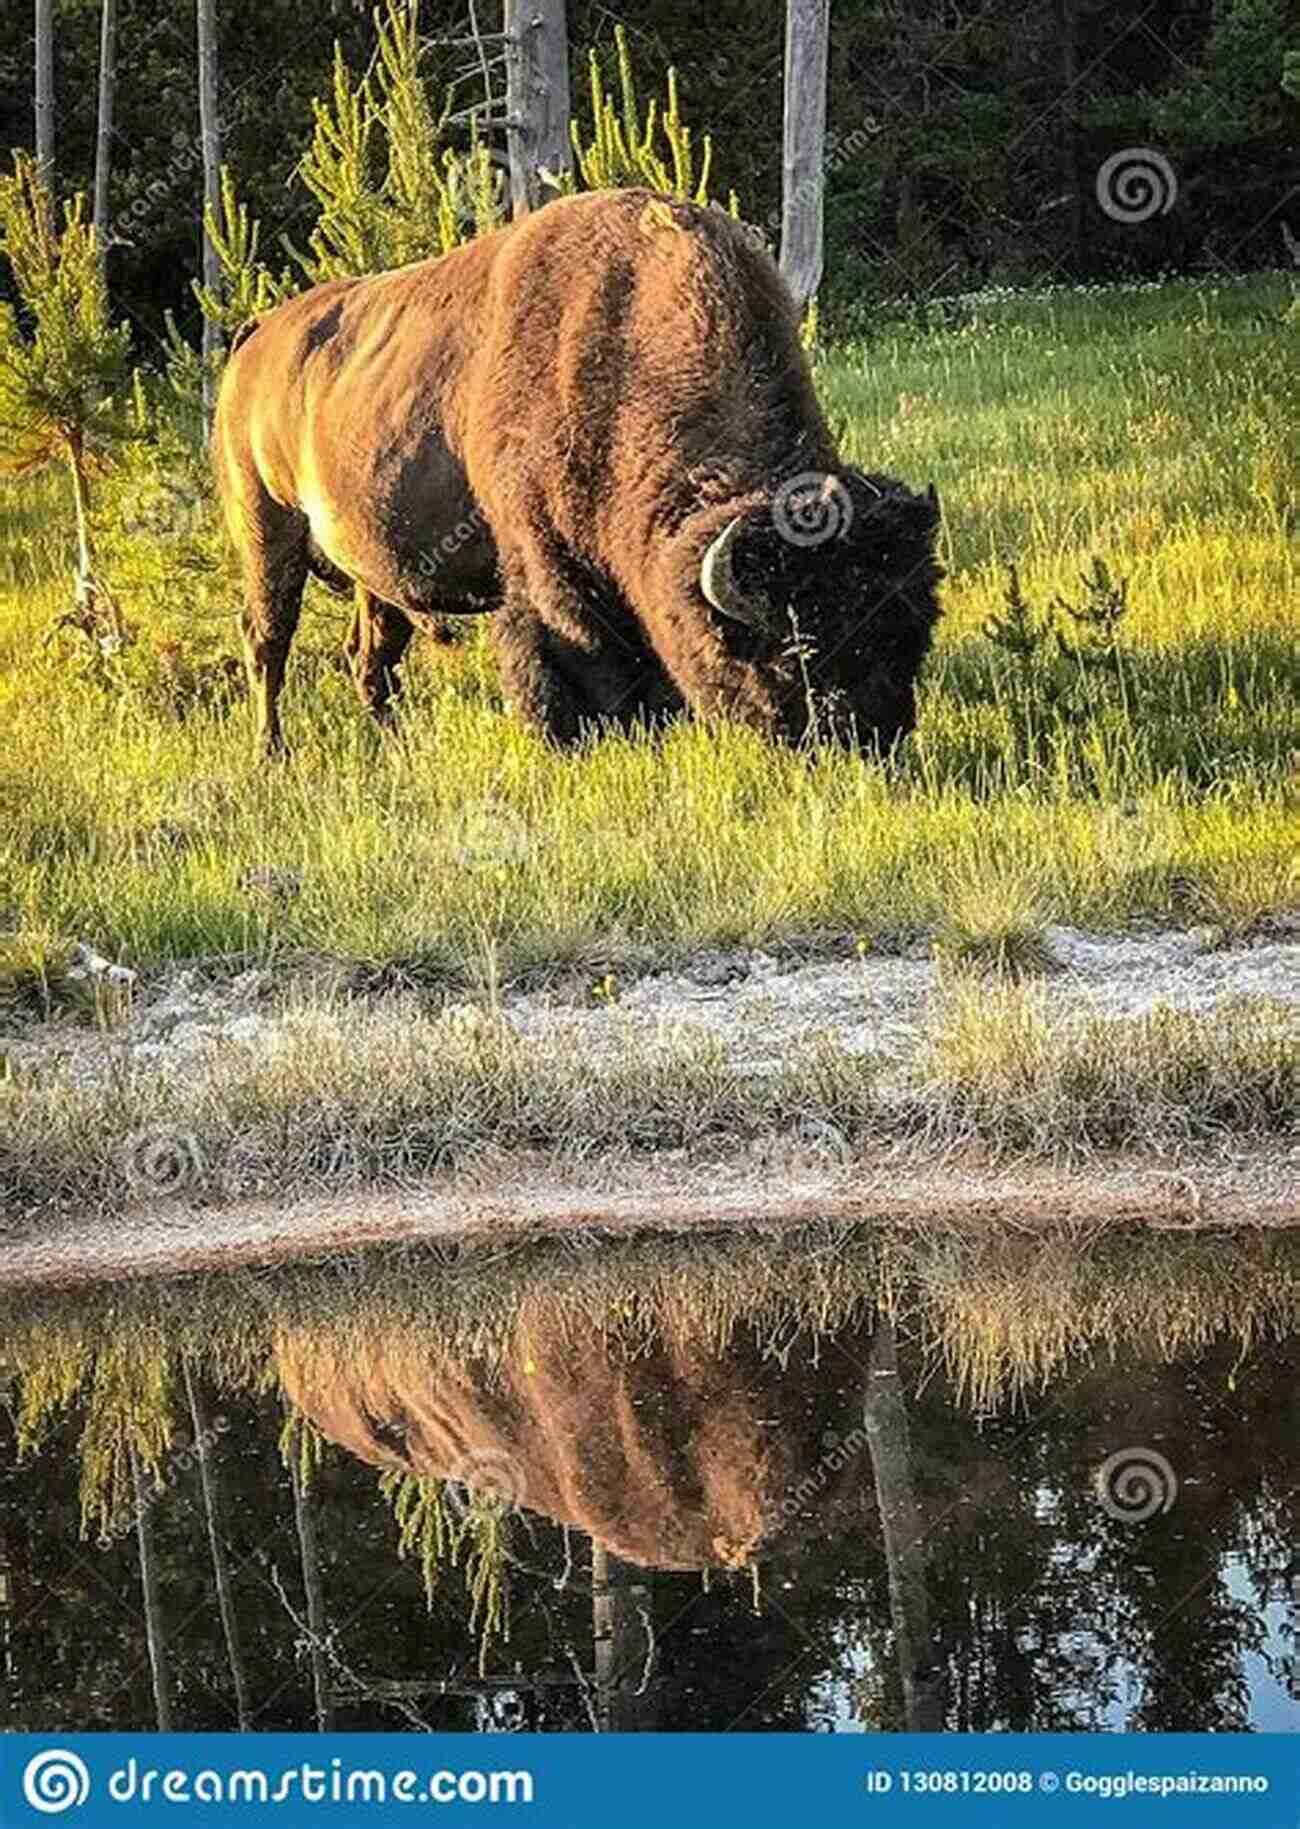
x,y
598,424
674,1457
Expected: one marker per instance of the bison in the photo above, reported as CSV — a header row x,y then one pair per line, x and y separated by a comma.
x,y
599,425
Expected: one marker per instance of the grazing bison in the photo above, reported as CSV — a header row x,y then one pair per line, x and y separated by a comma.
x,y
598,424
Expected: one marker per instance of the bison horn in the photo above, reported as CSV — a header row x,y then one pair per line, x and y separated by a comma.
x,y
718,579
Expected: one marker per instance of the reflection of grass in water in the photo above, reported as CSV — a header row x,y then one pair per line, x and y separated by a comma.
x,y
430,1530
1002,1313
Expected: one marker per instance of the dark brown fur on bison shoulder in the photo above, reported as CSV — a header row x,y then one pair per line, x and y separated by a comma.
x,y
599,425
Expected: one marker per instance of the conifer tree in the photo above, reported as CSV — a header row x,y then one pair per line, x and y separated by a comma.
x,y
64,363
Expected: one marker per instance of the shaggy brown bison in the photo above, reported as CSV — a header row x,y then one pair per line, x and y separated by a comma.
x,y
599,424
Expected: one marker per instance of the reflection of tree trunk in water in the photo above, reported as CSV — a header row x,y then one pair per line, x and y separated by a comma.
x,y
6,1612
305,1518
621,1623
885,1417
210,1479
155,1630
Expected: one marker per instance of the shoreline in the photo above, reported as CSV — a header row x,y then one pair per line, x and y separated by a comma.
x,y
1194,1193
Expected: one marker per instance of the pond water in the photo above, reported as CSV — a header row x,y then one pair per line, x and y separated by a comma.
x,y
835,1483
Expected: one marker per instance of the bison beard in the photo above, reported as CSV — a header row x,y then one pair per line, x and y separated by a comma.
x,y
599,425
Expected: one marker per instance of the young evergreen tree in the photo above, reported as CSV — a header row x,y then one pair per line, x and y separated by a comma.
x,y
64,375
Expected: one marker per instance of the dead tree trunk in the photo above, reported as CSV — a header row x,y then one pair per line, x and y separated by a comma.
x,y
1068,28
537,98
885,1418
305,1517
45,92
210,1480
104,126
154,1623
210,136
807,37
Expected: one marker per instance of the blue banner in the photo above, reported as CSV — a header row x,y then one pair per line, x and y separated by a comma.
x,y
567,1781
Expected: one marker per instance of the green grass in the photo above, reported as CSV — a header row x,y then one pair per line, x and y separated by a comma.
x,y
1157,429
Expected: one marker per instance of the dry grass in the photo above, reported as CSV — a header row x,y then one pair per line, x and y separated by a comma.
x,y
342,1097
385,1097
996,1067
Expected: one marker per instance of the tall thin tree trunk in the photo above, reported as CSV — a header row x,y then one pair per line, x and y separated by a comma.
x,y
537,98
104,127
1068,29
155,1626
305,1517
210,1479
210,135
807,38
45,91
81,504
885,1418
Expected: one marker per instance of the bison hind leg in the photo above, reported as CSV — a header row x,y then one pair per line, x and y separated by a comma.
x,y
275,571
377,640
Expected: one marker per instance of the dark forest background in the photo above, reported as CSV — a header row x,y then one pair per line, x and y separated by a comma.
x,y
964,136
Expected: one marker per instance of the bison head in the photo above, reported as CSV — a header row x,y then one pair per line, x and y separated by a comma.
x,y
828,591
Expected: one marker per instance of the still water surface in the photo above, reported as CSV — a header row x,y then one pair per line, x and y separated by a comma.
x,y
663,1486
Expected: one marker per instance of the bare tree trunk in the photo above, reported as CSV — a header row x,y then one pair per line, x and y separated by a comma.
x,y
305,1518
45,91
104,127
210,1479
885,1418
1068,28
537,98
807,36
210,135
155,1627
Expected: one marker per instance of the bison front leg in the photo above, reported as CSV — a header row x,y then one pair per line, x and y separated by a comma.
x,y
535,684
275,571
377,640
570,657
